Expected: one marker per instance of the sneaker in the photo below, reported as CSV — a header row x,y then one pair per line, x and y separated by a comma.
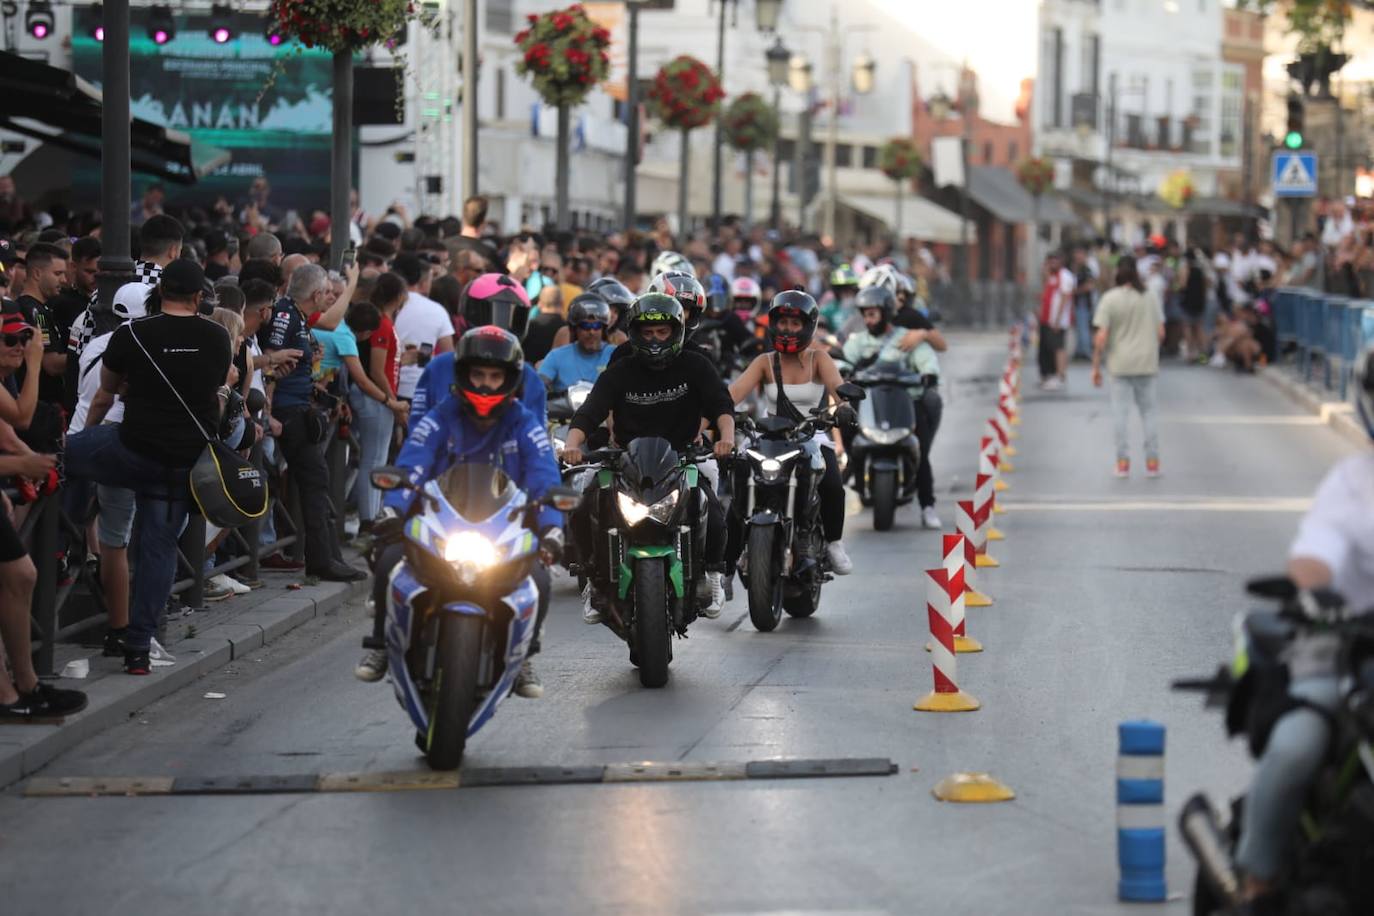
x,y
114,643
1052,384
1152,467
215,592
1123,467
717,583
373,667
224,580
590,615
136,661
43,704
840,564
928,517
527,683
280,561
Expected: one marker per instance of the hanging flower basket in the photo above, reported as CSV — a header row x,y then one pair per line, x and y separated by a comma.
x,y
899,159
1036,175
750,123
340,25
564,55
1177,189
685,94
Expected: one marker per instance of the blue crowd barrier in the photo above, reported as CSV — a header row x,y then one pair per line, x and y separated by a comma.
x,y
1327,328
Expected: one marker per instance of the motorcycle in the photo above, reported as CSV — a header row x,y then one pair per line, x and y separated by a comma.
x,y
461,606
884,453
1331,865
651,524
784,563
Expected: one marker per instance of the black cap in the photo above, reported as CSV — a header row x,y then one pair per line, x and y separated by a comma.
x,y
182,279
215,242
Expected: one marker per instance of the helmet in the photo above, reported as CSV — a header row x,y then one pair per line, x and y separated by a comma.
x,y
717,296
877,297
1364,400
843,278
617,296
668,261
589,307
685,288
497,299
745,288
657,308
890,278
797,304
487,346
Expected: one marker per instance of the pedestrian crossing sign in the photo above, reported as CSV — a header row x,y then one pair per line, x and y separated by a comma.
x,y
1295,174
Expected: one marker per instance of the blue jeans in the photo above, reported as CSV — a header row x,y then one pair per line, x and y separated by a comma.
x,y
163,503
1140,390
372,423
1083,329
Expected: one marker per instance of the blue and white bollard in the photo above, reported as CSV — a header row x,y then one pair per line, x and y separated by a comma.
x,y
1140,811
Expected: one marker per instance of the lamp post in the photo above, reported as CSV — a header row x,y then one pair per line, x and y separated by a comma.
x,y
940,108
116,267
799,72
632,113
862,82
778,57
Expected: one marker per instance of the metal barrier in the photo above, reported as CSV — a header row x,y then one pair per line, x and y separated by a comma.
x,y
1323,328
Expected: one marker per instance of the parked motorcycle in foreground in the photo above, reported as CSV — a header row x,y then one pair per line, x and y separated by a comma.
x,y
1331,870
461,606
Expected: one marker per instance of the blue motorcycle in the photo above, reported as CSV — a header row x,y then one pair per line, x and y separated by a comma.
x,y
461,606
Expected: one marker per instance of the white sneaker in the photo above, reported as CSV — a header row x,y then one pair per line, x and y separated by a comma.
x,y
373,667
527,683
840,564
1052,384
928,518
224,580
590,615
717,581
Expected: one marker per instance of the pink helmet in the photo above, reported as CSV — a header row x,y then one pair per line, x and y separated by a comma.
x,y
497,299
745,288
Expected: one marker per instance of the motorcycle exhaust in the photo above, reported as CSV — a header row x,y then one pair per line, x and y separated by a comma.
x,y
1201,829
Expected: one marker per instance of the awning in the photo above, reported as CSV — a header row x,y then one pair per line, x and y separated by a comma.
x,y
921,218
59,107
997,191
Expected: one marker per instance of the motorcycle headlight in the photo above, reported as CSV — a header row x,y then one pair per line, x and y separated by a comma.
x,y
771,468
468,548
886,436
634,512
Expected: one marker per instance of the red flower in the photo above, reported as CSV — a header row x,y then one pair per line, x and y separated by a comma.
x,y
601,35
689,78
562,21
533,19
521,36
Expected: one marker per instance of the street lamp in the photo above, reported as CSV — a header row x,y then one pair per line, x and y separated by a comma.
x,y
632,111
864,69
778,58
941,107
799,72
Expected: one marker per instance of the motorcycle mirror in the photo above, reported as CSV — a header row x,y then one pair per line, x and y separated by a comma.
x,y
851,392
564,499
1276,588
388,477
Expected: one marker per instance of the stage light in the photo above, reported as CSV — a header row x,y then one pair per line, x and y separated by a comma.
x,y
221,31
38,20
161,27
274,37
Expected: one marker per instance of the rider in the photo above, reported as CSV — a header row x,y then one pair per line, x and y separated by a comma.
x,y
744,300
662,392
1333,550
736,340
589,317
618,297
837,305
880,341
671,262
808,376
483,423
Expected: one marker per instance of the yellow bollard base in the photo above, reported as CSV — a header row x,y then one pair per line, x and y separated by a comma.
x,y
972,788
1006,467
1001,486
995,535
1016,420
1009,451
963,644
983,561
999,510
1012,433
976,599
946,702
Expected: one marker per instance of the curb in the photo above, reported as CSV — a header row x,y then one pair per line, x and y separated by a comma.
x,y
1339,415
24,749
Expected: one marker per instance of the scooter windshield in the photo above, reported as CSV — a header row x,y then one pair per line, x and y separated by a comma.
x,y
476,491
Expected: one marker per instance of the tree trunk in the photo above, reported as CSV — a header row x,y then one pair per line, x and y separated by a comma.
x,y
685,164
749,188
341,164
564,217
898,228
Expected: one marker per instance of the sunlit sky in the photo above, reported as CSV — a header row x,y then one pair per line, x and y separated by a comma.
x,y
997,37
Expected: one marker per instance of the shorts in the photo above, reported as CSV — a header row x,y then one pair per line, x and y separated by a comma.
x,y
11,547
115,524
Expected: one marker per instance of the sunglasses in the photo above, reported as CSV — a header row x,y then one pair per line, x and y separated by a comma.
x,y
17,340
591,325
549,271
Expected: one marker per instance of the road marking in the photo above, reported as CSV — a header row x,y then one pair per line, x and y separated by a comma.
x,y
1170,504
1244,420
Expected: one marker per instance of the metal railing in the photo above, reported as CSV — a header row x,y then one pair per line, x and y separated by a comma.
x,y
1323,335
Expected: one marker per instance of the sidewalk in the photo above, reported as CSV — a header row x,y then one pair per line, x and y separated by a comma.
x,y
201,642
1338,414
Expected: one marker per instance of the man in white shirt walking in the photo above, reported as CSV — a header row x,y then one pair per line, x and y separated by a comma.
x,y
422,325
1056,317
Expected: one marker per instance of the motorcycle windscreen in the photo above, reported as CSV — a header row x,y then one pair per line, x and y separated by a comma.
x,y
887,407
477,491
648,462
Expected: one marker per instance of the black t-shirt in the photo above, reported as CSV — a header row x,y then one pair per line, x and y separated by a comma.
x,y
216,271
912,319
194,354
539,338
669,402
51,388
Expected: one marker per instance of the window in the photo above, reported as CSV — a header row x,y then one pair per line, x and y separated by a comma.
x,y
501,16
987,153
844,155
1092,62
870,157
1232,112
1163,140
1052,51
787,149
1012,151
1201,116
500,93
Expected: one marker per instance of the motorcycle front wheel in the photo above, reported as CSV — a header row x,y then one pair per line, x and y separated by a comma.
x,y
765,579
651,649
455,690
884,499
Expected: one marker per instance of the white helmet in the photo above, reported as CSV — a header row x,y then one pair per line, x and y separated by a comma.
x,y
670,262
890,278
745,288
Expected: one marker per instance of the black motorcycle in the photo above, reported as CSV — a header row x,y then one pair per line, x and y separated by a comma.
x,y
884,454
649,559
1331,867
777,498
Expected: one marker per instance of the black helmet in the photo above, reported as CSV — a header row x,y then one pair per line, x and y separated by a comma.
x,y
796,304
877,297
656,308
617,296
497,299
487,346
1364,392
686,289
588,307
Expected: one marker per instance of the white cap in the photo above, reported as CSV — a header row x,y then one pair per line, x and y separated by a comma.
x,y
131,300
1221,261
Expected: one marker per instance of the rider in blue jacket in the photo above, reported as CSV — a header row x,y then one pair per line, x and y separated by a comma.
x,y
483,423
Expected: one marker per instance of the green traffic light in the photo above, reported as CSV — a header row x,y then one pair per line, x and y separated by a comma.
x,y
1293,140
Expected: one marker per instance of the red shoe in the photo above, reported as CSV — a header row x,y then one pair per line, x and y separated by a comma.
x,y
1123,467
1152,467
280,562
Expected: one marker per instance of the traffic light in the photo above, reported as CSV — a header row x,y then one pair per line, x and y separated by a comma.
x,y
1293,138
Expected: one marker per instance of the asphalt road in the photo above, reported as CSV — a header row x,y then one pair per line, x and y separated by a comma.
x,y
1108,589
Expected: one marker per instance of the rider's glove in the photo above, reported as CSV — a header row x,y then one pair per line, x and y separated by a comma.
x,y
846,416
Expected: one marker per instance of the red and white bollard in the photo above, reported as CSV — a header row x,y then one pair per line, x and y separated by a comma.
x,y
953,563
944,593
1001,441
990,462
985,505
959,550
974,526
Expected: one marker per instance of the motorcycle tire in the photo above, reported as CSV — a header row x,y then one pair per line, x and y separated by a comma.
x,y
455,696
805,603
765,579
884,499
651,647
